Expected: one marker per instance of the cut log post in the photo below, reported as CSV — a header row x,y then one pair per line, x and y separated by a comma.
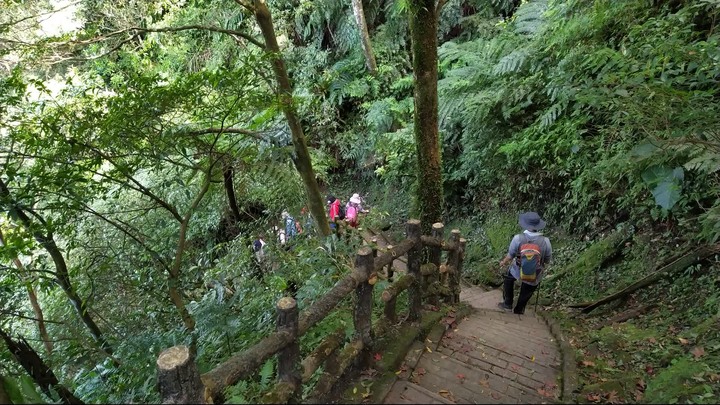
x,y
453,261
362,315
457,273
178,377
414,259
289,357
435,253
390,268
678,264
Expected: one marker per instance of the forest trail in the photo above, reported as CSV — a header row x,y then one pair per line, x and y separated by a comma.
x,y
490,356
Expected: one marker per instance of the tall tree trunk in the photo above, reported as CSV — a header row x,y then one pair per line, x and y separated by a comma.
x,y
32,296
228,176
62,276
423,34
364,36
301,159
38,370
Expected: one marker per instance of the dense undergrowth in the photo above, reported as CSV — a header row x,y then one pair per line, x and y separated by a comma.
x,y
667,352
601,115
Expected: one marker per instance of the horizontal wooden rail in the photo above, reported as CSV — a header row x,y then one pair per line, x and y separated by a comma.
x,y
430,280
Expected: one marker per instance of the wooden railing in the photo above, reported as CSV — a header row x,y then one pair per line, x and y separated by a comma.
x,y
180,382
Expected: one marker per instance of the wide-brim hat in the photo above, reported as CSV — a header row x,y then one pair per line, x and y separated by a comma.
x,y
531,221
355,200
330,199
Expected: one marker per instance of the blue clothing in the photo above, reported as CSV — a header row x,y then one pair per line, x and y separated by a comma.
x,y
290,229
514,250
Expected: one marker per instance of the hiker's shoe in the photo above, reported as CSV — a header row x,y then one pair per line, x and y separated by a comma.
x,y
518,312
504,306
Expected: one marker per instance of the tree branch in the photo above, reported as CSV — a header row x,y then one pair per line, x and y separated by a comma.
x,y
439,7
202,28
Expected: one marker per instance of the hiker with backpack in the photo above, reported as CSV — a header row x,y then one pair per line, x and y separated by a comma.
x,y
335,212
353,210
529,253
291,227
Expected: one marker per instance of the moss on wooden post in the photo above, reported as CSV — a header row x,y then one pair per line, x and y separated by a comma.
x,y
390,268
362,316
414,259
289,357
458,270
178,377
453,262
438,231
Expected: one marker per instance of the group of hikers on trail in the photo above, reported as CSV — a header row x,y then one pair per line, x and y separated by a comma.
x,y
528,255
350,212
290,227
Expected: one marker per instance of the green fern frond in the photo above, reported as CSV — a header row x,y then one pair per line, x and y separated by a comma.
x,y
511,63
529,18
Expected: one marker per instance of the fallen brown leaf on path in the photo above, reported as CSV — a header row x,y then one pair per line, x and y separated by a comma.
x,y
698,352
495,395
545,393
588,363
613,398
684,341
447,395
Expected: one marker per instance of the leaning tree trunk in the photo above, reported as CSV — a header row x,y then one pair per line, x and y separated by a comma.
x,y
364,36
228,183
61,272
32,296
40,372
423,33
301,159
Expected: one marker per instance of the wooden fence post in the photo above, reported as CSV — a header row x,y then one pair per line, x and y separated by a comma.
x,y
289,357
438,231
461,258
362,316
414,258
390,268
178,377
453,262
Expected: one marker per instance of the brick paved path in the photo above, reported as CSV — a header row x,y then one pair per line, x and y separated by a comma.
x,y
490,357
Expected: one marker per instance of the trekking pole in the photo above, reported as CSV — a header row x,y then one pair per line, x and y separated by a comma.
x,y
537,296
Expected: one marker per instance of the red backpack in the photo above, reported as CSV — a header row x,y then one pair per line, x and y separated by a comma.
x,y
529,259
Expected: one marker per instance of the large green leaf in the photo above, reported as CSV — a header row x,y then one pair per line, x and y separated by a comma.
x,y
666,184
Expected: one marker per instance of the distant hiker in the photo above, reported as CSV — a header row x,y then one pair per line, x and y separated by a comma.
x,y
335,211
308,219
291,229
529,252
279,233
258,247
353,209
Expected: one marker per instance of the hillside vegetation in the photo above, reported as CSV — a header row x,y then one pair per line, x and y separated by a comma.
x,y
140,161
